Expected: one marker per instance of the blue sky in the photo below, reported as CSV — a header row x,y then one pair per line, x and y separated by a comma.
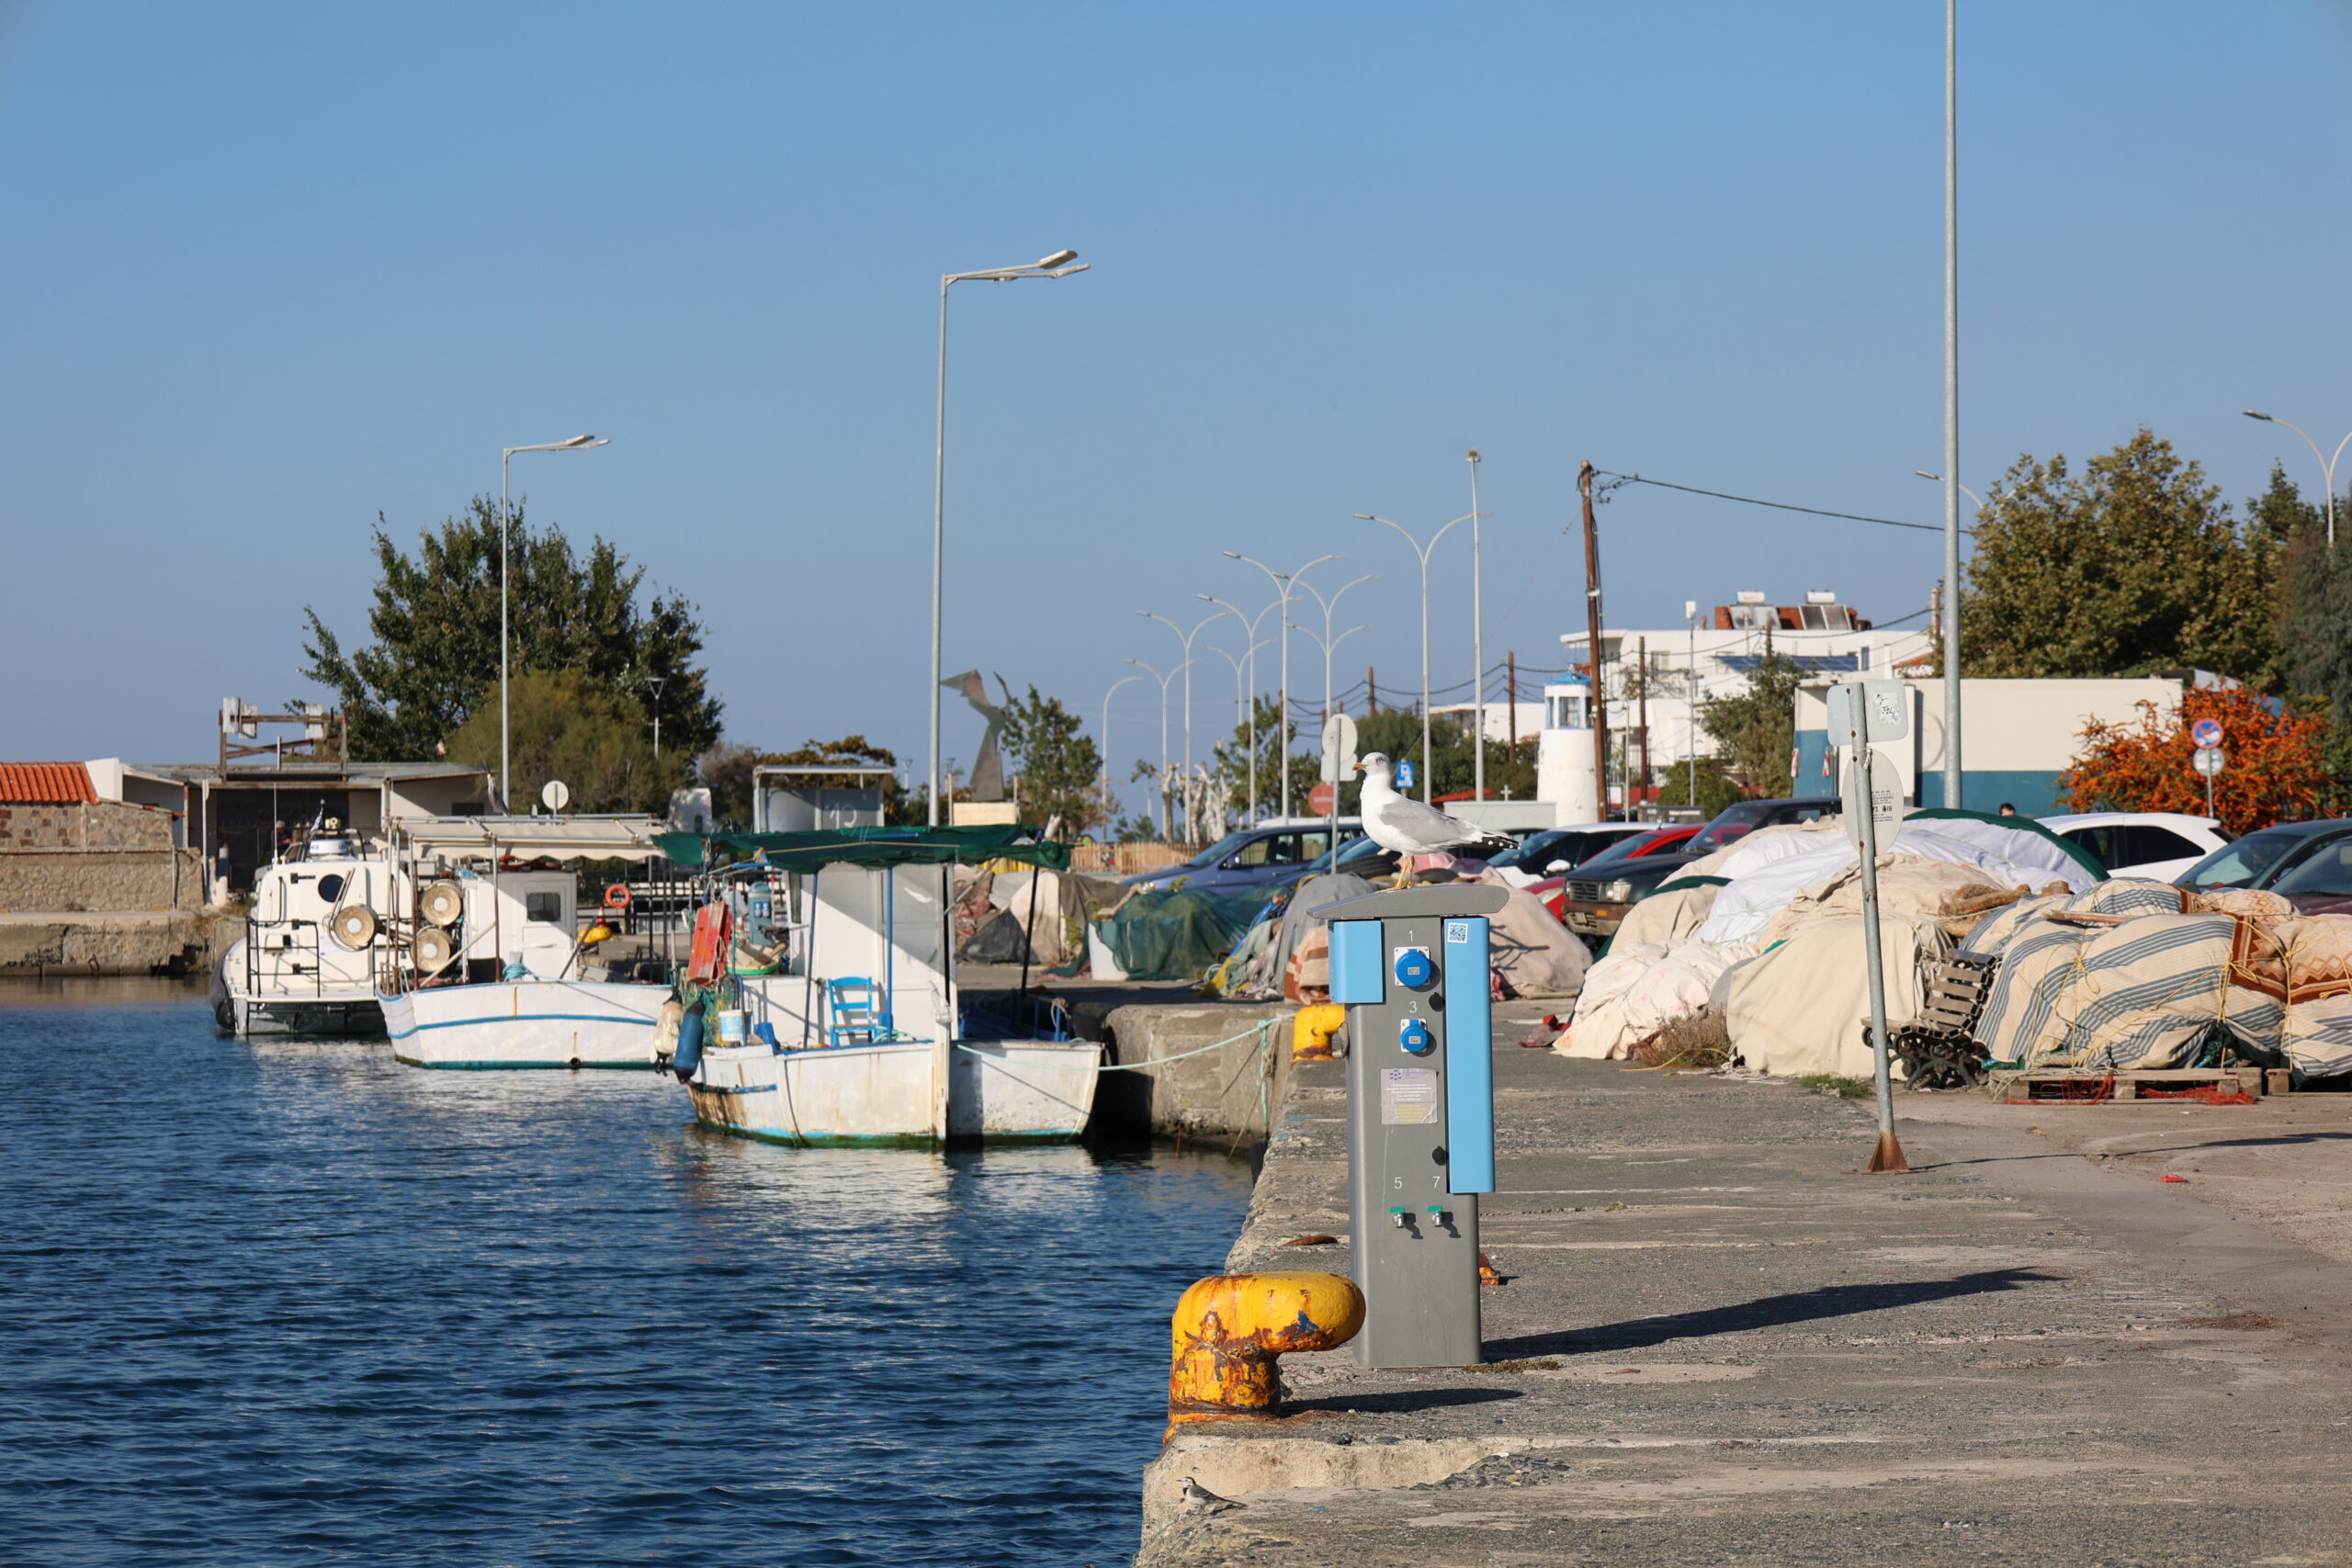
x,y
272,269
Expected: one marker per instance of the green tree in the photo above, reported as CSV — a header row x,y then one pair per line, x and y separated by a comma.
x,y
599,743
1058,769
2132,566
433,663
1757,730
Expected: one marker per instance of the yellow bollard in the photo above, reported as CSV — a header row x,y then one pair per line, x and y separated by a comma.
x,y
1229,1328
1310,1038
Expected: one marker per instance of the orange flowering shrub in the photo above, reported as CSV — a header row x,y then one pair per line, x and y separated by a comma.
x,y
2273,772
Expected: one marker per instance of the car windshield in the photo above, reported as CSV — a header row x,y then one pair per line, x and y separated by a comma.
x,y
1622,850
2327,871
1735,822
1219,849
1531,849
1350,851
2244,862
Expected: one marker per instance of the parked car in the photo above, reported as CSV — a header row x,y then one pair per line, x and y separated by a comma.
x,y
2158,844
1553,890
2309,863
1556,850
1250,859
1358,856
1598,898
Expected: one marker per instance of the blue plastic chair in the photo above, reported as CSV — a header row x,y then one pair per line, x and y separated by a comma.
x,y
853,1005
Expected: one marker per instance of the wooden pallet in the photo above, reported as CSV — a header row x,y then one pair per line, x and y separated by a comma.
x,y
2082,1085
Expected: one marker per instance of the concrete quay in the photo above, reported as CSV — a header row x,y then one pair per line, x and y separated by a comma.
x,y
48,946
1716,1343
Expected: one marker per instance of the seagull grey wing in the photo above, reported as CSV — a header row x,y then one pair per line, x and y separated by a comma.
x,y
1425,826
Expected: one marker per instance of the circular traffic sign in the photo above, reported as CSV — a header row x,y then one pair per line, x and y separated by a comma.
x,y
2209,759
1323,799
2206,733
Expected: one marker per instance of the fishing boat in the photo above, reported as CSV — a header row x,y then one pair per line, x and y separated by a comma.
x,y
494,966
861,1036
315,933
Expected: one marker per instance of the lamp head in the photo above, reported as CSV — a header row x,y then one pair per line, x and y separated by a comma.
x,y
577,441
2251,413
1059,259
1925,475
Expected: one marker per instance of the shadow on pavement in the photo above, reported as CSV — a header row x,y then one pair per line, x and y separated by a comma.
x,y
1770,1312
1394,1403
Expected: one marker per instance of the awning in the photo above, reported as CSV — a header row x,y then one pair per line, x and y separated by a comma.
x,y
867,846
564,838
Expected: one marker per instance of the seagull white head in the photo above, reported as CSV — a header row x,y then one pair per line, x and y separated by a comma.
x,y
1376,765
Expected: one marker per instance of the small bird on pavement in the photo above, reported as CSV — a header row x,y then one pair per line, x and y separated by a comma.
x,y
1199,1496
1407,828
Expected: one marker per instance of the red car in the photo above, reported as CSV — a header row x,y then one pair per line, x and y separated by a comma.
x,y
1553,890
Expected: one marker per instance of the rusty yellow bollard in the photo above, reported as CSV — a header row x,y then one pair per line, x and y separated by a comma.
x,y
1311,1031
1229,1328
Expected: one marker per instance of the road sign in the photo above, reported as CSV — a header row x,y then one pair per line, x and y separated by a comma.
x,y
1869,710
1404,772
1323,800
2206,733
2209,759
1886,798
1339,750
554,794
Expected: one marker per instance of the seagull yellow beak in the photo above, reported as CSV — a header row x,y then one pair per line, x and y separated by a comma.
x,y
1357,768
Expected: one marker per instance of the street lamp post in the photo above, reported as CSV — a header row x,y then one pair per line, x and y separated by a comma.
x,y
1422,551
1054,266
2327,465
1186,639
657,682
1249,720
1477,643
505,726
1953,782
1963,489
1163,680
1326,642
1282,582
1107,787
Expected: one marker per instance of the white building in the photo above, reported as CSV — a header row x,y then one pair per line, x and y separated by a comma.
x,y
1655,681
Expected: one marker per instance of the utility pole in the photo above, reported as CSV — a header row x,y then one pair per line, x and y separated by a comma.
x,y
1592,623
1370,691
1478,647
1510,662
1951,406
1644,655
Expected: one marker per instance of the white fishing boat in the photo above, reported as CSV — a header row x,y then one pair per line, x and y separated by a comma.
x,y
497,970
314,934
867,1040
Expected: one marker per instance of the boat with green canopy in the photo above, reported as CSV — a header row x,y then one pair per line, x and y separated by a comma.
x,y
853,1030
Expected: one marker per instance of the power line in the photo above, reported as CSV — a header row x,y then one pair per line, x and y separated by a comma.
x,y
1777,505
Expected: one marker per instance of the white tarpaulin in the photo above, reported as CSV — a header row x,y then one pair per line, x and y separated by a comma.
x,y
2007,856
1803,1007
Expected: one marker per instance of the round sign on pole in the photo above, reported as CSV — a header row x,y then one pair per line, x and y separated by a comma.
x,y
554,794
2208,760
2206,733
1339,750
1322,799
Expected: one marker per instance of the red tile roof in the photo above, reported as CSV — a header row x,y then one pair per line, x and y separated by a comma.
x,y
45,784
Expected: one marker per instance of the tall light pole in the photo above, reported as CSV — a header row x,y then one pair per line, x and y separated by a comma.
x,y
1107,788
1326,642
1951,415
505,725
1282,583
1422,551
2327,465
1963,489
1477,643
1186,639
1690,719
1163,680
657,682
1249,720
1054,266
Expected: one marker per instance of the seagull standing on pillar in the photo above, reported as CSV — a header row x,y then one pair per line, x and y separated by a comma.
x,y
1405,826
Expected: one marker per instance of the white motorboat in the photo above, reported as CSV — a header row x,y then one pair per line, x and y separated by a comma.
x,y
318,926
496,971
867,1041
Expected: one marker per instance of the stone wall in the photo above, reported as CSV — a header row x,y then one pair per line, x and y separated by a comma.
x,y
69,880
1229,1092
34,948
81,825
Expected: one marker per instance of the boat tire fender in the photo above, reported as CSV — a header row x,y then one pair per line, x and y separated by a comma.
x,y
689,1056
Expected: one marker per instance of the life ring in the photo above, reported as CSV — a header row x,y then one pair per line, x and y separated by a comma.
x,y
617,897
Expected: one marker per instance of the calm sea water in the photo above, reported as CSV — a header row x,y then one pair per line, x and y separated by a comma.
x,y
292,1303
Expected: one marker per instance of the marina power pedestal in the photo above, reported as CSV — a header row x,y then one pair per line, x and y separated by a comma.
x,y
1412,968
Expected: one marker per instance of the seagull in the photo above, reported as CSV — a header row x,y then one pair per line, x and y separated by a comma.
x,y
1406,827
1199,1496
